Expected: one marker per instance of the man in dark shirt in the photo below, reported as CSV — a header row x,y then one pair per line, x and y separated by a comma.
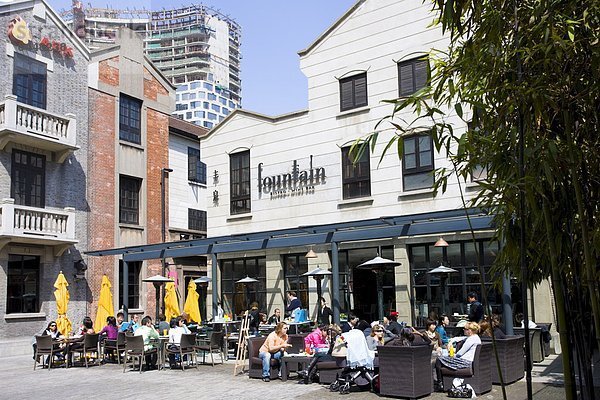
x,y
350,324
293,303
276,317
475,308
394,327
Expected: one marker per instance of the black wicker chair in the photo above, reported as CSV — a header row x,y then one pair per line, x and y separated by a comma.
x,y
187,346
45,347
480,374
115,347
255,363
535,342
511,354
134,348
88,346
405,371
212,345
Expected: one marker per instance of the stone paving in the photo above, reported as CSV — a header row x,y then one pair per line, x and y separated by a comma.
x,y
19,381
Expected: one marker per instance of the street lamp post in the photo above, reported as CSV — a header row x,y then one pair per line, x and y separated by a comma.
x,y
318,275
163,223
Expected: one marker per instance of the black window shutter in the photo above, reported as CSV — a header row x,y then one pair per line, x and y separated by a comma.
x,y
406,79
360,91
346,94
421,73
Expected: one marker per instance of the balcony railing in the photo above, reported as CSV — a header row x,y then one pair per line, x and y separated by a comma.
x,y
36,225
32,126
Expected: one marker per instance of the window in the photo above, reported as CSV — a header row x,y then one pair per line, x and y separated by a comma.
x,y
196,168
206,105
182,88
130,117
417,163
199,114
356,178
294,265
23,277
208,86
223,100
194,85
236,297
29,81
225,111
188,115
28,179
129,199
181,107
207,124
133,297
196,220
353,92
412,76
240,182
215,107
212,96
212,116
185,96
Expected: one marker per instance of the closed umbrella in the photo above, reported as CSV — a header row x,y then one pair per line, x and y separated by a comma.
x,y
105,304
61,294
191,307
171,302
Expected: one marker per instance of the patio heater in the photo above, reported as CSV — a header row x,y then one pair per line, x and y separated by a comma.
x,y
246,281
379,266
157,281
318,275
443,272
203,282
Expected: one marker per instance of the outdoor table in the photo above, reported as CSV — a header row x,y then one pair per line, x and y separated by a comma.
x,y
301,358
294,326
160,344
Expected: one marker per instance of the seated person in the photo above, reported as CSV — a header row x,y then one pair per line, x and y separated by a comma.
x,y
120,319
393,325
263,319
441,329
322,337
486,327
87,326
132,325
276,317
147,332
464,357
110,330
376,337
432,335
350,324
520,317
177,329
163,325
409,336
274,346
50,330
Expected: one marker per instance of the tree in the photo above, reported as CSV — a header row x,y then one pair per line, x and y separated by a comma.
x,y
530,68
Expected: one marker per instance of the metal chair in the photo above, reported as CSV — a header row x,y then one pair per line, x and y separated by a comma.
x,y
134,348
90,345
215,343
187,345
117,347
44,347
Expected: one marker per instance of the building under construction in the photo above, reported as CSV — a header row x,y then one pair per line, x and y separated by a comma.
x,y
196,47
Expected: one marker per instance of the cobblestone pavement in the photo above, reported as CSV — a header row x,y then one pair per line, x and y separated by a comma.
x,y
19,381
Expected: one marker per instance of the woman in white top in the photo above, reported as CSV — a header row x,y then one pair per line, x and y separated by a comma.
x,y
178,328
463,358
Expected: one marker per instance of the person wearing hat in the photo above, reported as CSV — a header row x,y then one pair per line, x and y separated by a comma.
x,y
394,326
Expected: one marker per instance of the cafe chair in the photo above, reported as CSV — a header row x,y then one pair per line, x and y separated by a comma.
x,y
134,348
511,355
212,346
187,345
45,347
479,376
255,363
89,346
115,347
405,371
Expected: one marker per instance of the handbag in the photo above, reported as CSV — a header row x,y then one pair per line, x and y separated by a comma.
x,y
460,392
339,349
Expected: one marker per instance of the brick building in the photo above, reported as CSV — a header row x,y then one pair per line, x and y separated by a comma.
x,y
43,166
130,102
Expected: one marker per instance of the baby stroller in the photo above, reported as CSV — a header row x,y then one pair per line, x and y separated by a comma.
x,y
359,368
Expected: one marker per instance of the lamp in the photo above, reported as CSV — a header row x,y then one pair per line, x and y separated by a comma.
x,y
157,281
441,243
318,274
311,254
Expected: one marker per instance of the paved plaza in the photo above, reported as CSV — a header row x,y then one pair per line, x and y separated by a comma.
x,y
208,382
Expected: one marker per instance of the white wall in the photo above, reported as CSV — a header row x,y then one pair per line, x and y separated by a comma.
x,y
373,38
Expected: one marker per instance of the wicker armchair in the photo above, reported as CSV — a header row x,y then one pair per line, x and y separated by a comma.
x,y
405,371
187,346
115,347
535,341
510,353
212,346
134,348
255,363
480,374
89,345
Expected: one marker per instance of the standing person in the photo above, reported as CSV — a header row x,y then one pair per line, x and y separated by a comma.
x,y
441,329
293,304
350,324
254,318
464,357
273,347
475,308
147,332
326,313
276,317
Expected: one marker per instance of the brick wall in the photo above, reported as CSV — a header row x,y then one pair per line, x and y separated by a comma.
x,y
152,87
108,72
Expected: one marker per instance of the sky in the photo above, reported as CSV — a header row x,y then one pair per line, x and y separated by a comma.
x,y
273,31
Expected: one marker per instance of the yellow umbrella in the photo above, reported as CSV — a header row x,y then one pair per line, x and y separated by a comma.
x,y
171,302
191,307
105,305
62,300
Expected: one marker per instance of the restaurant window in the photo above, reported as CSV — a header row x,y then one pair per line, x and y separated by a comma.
x,y
29,81
237,297
353,92
461,256
196,220
135,270
28,179
356,177
196,168
240,182
23,278
412,76
294,265
417,163
130,119
129,199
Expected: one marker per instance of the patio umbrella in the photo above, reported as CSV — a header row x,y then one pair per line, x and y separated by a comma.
x,y
61,294
171,301
105,305
191,307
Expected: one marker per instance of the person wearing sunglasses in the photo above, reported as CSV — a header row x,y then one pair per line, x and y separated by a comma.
x,y
376,337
